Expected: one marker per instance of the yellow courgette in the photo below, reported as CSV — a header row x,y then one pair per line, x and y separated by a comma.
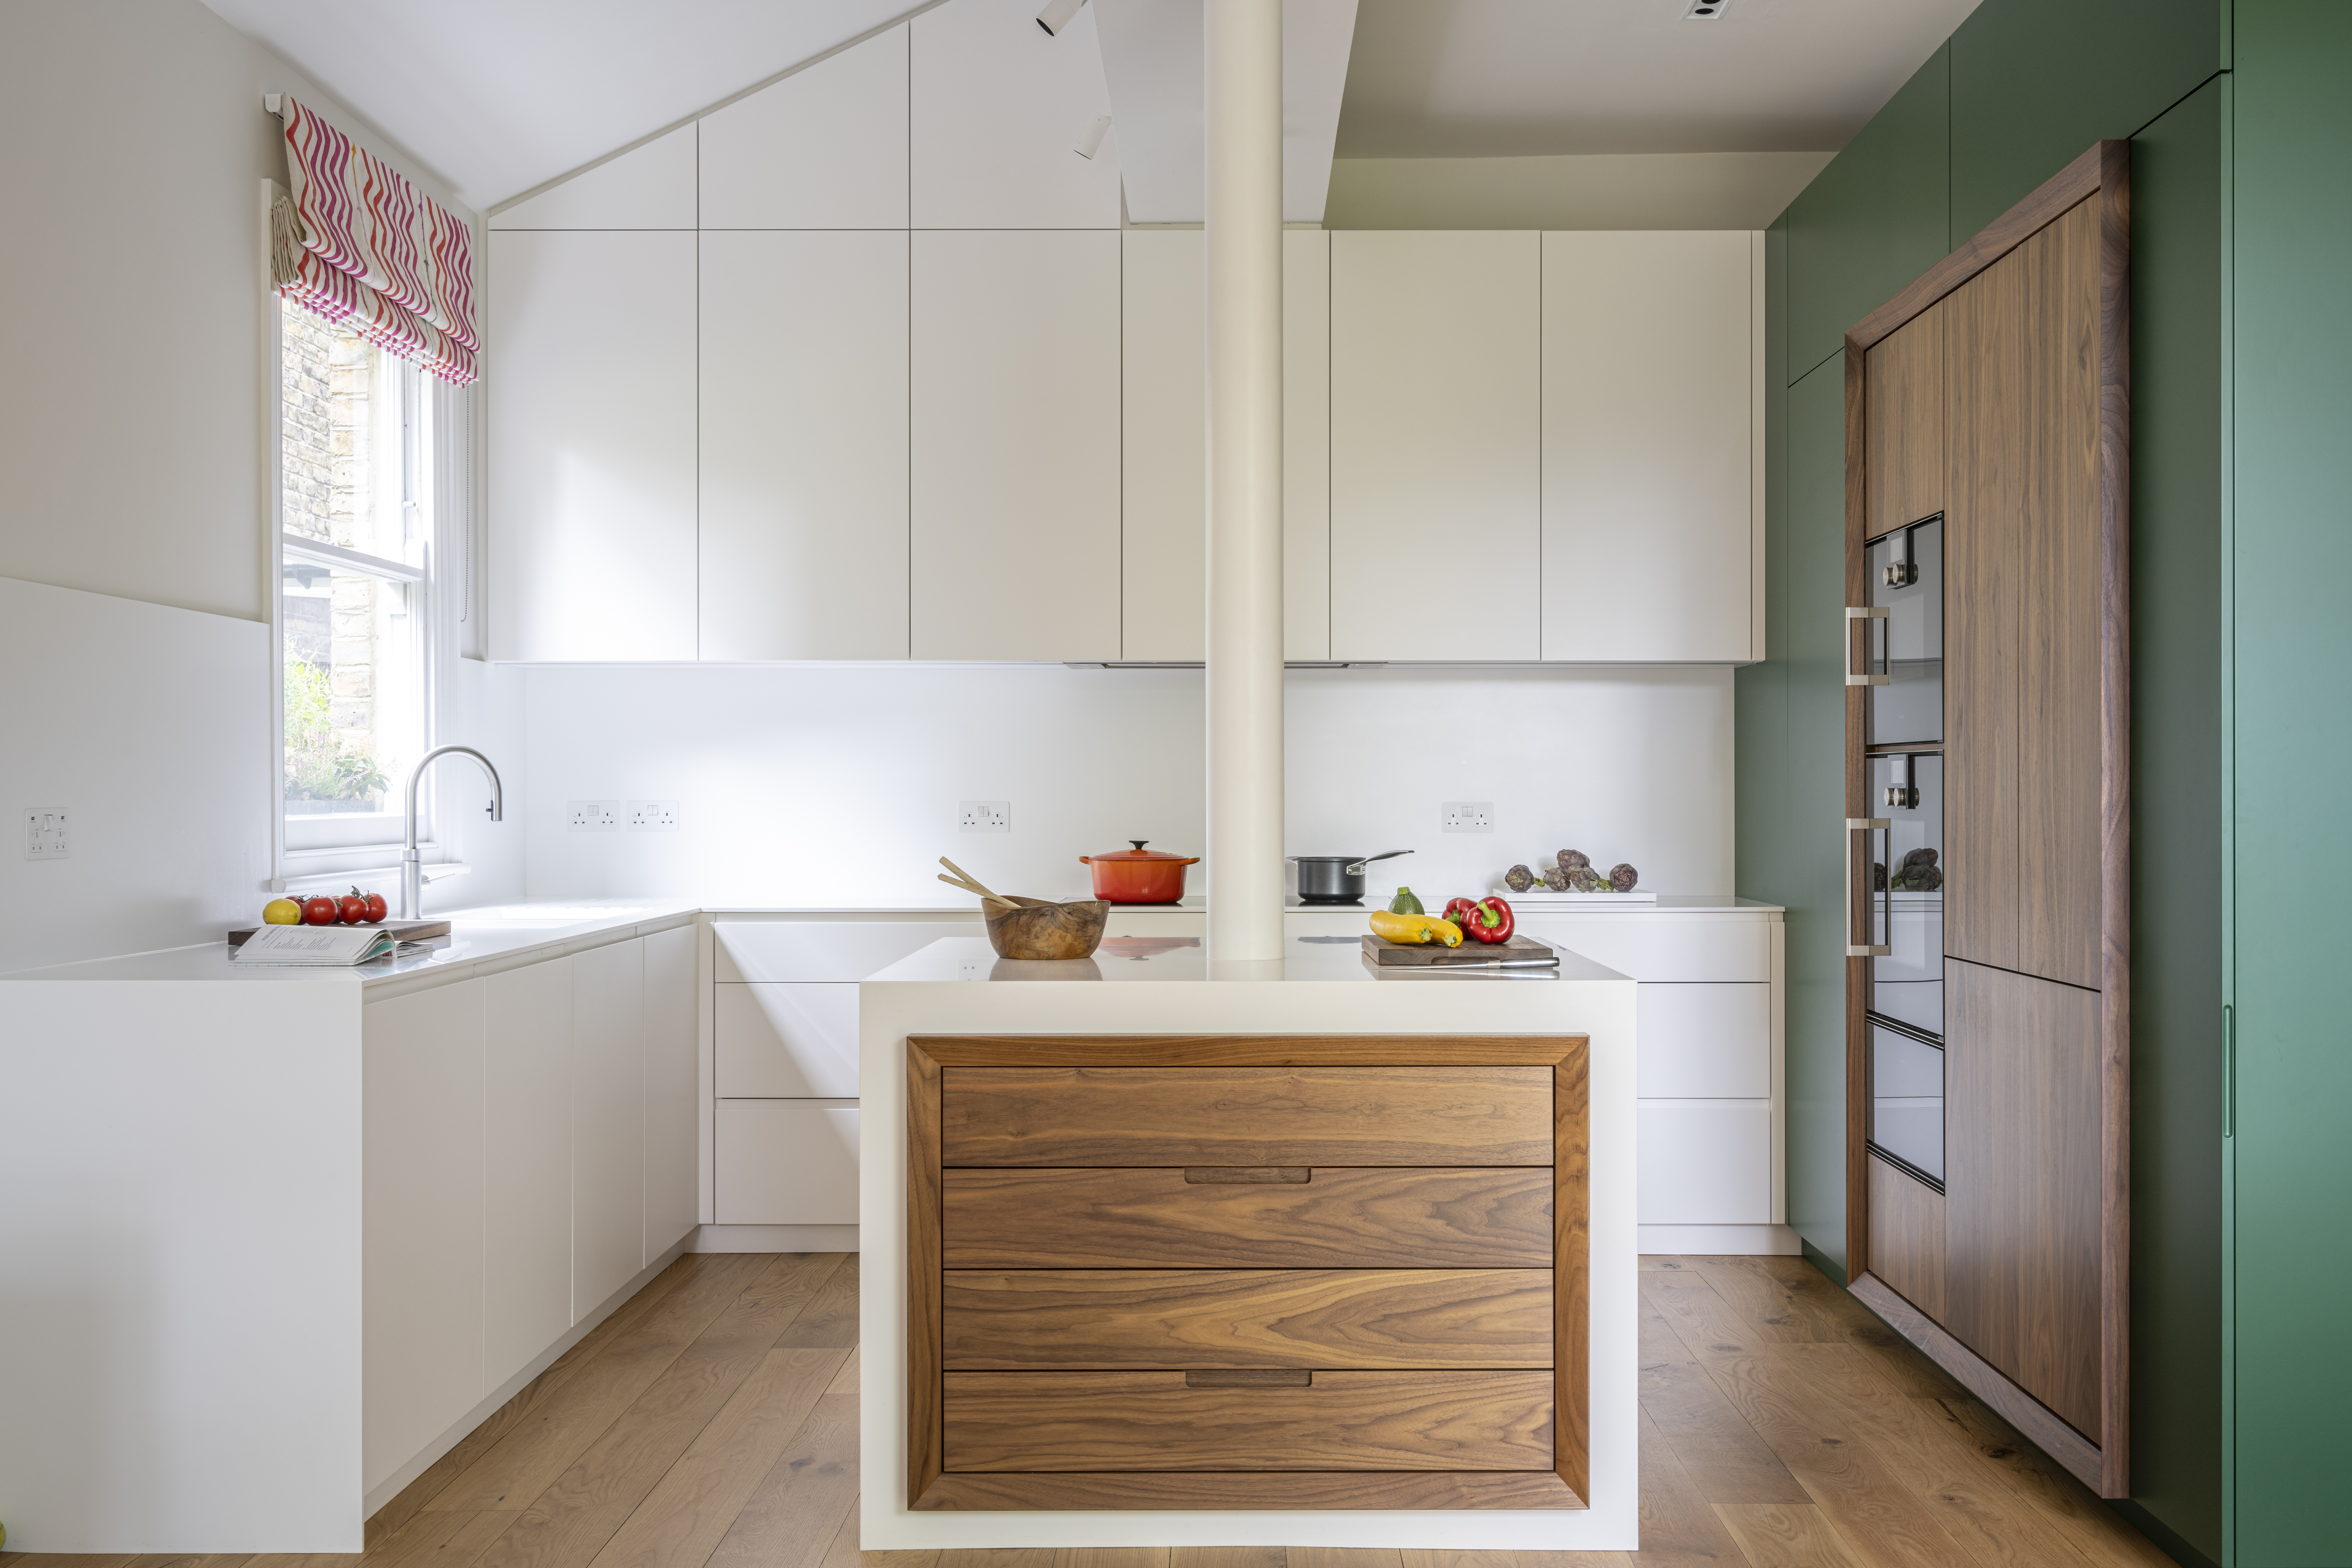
x,y
1415,930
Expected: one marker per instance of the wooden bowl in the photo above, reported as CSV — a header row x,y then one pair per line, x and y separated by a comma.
x,y
1039,928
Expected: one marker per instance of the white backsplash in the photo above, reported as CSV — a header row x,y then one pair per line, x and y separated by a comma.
x,y
837,785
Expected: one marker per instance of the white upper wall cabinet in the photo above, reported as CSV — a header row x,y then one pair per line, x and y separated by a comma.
x,y
999,112
805,445
824,148
650,187
1163,472
592,445
1652,354
1015,432
1436,446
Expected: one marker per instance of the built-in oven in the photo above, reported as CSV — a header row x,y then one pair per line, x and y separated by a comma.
x,y
1904,637
1907,888
1907,1099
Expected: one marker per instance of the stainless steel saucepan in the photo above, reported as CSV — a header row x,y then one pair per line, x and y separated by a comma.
x,y
1335,879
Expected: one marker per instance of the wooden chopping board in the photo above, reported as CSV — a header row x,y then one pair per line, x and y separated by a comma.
x,y
1469,956
402,930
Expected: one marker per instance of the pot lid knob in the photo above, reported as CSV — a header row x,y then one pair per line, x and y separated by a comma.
x,y
1138,845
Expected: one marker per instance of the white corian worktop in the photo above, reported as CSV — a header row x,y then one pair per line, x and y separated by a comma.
x,y
1139,986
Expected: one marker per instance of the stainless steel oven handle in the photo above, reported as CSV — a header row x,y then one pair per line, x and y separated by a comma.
x,y
1861,646
1858,830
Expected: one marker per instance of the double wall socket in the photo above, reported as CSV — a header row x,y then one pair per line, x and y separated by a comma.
x,y
653,816
984,815
1469,816
44,833
613,816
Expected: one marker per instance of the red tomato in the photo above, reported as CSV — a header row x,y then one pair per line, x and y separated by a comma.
x,y
376,908
320,911
350,909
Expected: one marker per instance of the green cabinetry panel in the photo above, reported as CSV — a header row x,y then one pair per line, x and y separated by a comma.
x,y
2291,654
1872,221
2034,84
2177,940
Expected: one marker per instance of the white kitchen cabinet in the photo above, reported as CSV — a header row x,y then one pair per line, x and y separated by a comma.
x,y
997,113
673,1091
804,445
787,1041
1662,946
526,1164
824,148
592,439
421,1185
652,186
824,950
1705,1162
1651,372
1705,1041
608,1121
1436,445
1164,450
1015,441
787,1162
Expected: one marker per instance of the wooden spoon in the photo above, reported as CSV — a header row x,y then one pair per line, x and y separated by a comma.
x,y
972,882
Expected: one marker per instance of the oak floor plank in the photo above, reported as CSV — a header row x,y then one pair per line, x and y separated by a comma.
x,y
1227,1557
830,1322
690,1510
437,1476
187,1560
1881,1518
816,1478
529,1458
439,1540
1459,1560
566,1525
65,1560
1775,1304
998,1557
1572,1559
264,1560
1344,1557
1782,1535
1702,1319
842,1552
1661,1263
895,1559
1121,1557
1678,1529
2104,1535
1719,1451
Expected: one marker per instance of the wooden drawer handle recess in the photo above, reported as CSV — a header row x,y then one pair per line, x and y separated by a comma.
x,y
1249,1377
1247,1175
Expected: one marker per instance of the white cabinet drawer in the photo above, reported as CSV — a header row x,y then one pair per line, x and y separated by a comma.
x,y
786,1162
1701,1042
787,1041
1662,946
825,949
1705,1162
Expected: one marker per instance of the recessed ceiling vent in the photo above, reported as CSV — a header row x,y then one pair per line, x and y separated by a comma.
x,y
1705,10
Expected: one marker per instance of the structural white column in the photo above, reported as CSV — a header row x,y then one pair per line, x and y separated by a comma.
x,y
1244,119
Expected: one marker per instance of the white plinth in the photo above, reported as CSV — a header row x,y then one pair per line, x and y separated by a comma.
x,y
959,986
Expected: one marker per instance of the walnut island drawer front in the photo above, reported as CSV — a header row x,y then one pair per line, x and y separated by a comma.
x,y
1147,1421
1254,1116
1196,1319
1267,1217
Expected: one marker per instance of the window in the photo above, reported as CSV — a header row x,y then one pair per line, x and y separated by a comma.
x,y
353,585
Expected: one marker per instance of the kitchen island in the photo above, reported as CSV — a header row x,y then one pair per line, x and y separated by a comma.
x,y
1190,1253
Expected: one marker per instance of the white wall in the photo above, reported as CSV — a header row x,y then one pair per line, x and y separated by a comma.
x,y
838,784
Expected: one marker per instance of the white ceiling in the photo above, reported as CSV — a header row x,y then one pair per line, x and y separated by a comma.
x,y
1479,78
498,97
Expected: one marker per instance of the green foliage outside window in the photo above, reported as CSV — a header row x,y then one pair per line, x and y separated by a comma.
x,y
319,765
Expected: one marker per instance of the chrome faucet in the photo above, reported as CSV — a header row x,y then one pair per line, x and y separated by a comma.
x,y
411,875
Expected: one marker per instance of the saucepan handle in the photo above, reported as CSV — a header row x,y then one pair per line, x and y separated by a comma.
x,y
1358,868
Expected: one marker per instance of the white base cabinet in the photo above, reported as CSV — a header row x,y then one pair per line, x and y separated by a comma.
x,y
527,1167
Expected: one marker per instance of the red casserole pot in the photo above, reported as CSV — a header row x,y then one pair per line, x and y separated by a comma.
x,y
1138,876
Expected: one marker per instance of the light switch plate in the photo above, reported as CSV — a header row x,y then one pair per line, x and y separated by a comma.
x,y
594,816
44,833
984,815
653,816
1469,816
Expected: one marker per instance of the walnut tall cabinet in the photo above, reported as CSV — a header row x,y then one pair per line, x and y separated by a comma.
x,y
1987,809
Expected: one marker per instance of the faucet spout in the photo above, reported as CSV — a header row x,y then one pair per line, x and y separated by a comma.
x,y
412,874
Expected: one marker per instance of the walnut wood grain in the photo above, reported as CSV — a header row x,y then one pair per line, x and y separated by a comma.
x,y
1249,1050
1857,788
1904,424
1149,1421
1376,1217
1907,1236
1572,1271
1243,1492
2020,1409
2022,1155
1247,1175
1250,1377
1178,1319
1245,1116
923,1455
1988,244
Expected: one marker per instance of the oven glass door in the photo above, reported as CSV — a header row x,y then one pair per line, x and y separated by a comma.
x,y
1906,874
1906,575
1907,1099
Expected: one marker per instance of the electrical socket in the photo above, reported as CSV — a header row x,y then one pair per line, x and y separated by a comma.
x,y
594,816
1469,816
984,815
44,833
653,816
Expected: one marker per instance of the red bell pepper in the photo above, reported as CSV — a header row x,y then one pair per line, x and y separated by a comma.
x,y
1462,912
1490,922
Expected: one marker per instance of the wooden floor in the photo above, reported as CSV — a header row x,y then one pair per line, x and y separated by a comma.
x,y
713,1420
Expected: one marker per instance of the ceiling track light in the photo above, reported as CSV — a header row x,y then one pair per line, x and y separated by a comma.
x,y
1698,10
1056,15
